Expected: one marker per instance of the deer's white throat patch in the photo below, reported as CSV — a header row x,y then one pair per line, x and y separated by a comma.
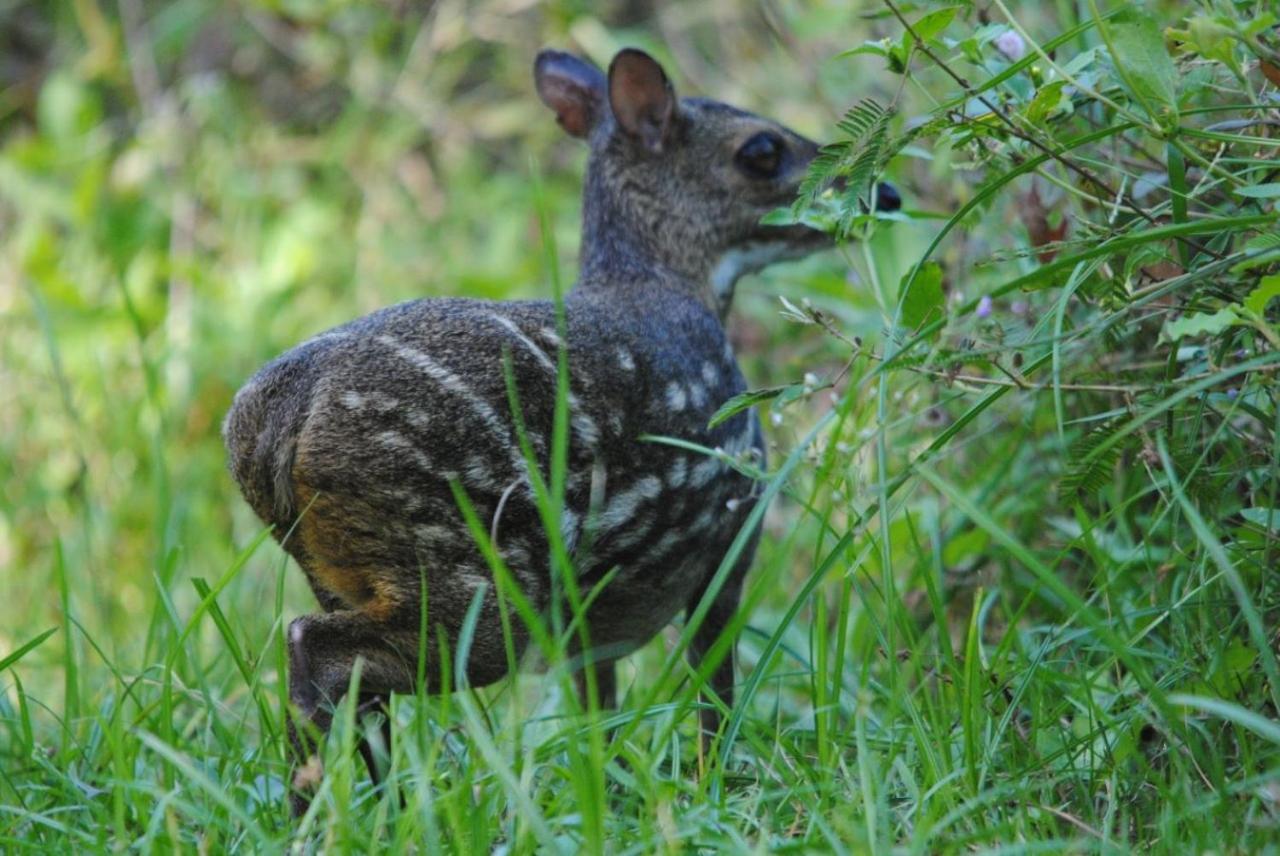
x,y
743,260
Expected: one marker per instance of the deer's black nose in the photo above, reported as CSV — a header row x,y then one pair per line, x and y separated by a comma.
x,y
887,198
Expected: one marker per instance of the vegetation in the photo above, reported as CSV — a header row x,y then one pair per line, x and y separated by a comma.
x,y
1015,593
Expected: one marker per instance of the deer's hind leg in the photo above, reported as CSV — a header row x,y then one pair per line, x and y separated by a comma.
x,y
323,650
606,684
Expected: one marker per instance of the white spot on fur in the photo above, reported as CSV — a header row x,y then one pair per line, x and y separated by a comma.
x,y
710,374
704,472
676,397
742,441
704,521
393,440
352,400
679,471
698,394
625,359
550,336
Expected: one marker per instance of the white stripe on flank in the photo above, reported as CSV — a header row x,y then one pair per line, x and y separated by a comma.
x,y
622,507
569,529
524,340
638,529
396,442
583,424
457,386
434,535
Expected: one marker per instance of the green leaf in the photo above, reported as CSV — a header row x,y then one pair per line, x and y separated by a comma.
x,y
1051,100
25,649
861,118
880,47
1258,299
1212,37
744,401
1255,722
1267,248
1201,324
1147,70
1264,518
930,26
1259,191
779,217
923,299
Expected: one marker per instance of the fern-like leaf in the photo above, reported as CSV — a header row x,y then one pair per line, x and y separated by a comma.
x,y
1089,471
861,118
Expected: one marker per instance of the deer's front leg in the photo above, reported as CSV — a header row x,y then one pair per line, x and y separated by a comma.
x,y
720,681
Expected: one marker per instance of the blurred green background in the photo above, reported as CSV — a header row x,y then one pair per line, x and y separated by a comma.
x,y
1058,634
189,188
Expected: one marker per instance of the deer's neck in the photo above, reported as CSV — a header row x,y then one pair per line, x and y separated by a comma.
x,y
628,245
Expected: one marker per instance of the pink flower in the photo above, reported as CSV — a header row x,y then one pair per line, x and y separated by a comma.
x,y
1011,45
984,307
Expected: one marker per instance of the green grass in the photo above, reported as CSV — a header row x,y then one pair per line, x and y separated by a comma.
x,y
1016,588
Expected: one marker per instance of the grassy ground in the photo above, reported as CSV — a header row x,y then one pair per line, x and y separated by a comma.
x,y
1016,592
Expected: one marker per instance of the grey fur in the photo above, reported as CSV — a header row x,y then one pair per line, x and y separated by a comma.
x,y
316,438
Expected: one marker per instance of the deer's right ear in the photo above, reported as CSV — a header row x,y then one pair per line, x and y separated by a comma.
x,y
574,88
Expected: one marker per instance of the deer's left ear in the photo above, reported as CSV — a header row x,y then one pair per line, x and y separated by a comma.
x,y
573,88
642,98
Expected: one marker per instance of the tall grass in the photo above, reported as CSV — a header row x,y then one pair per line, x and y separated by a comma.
x,y
1015,590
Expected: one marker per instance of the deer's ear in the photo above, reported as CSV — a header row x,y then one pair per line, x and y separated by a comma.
x,y
573,88
642,98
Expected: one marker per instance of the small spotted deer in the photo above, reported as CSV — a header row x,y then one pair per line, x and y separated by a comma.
x,y
349,445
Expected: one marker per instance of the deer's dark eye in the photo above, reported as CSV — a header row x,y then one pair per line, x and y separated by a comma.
x,y
761,156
